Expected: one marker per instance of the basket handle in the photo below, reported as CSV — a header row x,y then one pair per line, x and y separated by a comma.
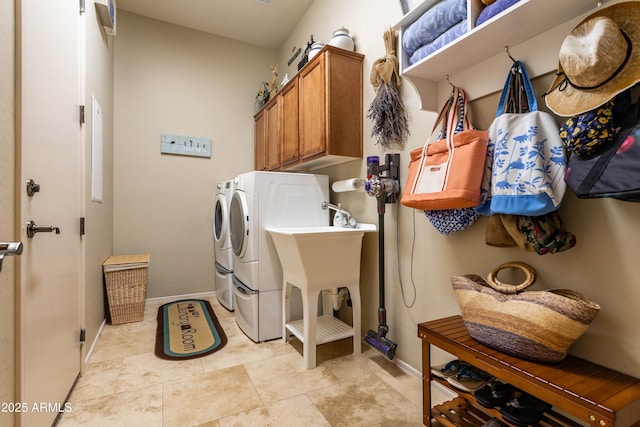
x,y
507,288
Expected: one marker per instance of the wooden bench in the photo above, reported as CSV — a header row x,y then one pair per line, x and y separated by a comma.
x,y
593,394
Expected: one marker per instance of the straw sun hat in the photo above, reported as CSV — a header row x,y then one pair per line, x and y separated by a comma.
x,y
598,59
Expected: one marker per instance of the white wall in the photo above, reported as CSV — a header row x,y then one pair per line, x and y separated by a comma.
x,y
169,79
98,238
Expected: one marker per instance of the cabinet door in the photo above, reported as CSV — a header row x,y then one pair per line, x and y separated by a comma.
x,y
289,123
272,148
344,104
312,109
259,140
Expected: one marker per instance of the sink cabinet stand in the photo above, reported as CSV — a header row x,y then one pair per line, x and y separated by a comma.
x,y
312,330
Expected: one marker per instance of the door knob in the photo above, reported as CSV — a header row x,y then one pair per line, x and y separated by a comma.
x,y
9,248
32,229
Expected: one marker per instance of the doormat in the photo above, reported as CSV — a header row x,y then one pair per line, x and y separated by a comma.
x,y
188,329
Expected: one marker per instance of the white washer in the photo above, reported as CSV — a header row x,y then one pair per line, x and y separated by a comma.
x,y
268,199
222,245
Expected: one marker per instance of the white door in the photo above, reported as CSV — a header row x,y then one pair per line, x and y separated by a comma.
x,y
48,98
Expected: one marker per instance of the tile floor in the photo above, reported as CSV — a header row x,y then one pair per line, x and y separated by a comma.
x,y
244,384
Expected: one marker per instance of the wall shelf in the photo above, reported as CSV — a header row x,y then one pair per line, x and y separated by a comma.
x,y
523,21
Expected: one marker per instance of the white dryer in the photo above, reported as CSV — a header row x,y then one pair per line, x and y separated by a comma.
x,y
222,245
268,199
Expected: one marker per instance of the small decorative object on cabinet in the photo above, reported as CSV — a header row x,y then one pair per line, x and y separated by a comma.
x,y
305,56
342,39
273,83
593,394
320,115
315,48
262,96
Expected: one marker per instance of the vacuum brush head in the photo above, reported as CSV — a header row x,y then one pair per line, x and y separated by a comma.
x,y
382,344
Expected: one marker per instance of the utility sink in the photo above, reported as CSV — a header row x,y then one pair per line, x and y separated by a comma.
x,y
322,257
314,259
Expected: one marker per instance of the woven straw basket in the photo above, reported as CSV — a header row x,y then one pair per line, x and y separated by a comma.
x,y
126,283
533,325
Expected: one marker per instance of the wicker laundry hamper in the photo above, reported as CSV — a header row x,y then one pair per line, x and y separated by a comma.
x,y
126,281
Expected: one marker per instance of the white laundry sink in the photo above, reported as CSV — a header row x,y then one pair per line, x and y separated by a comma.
x,y
320,257
314,259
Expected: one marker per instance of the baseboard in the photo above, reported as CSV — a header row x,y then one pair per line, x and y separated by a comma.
x,y
185,296
408,369
87,357
404,366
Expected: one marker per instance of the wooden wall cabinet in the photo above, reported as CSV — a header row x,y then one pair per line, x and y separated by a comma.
x,y
290,124
267,137
320,115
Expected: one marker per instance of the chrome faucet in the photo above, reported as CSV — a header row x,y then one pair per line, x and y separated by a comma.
x,y
342,217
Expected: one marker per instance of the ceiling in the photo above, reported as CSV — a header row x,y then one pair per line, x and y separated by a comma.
x,y
265,23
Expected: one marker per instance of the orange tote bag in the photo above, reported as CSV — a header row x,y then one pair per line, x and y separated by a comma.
x,y
447,173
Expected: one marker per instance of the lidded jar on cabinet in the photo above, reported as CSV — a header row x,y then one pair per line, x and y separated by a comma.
x,y
315,48
342,39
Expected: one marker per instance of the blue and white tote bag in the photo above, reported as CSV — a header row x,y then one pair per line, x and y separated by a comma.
x,y
526,162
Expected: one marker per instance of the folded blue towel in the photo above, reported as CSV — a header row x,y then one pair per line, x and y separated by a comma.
x,y
447,37
493,9
433,23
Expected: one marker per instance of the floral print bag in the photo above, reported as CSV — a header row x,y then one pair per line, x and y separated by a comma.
x,y
526,163
612,171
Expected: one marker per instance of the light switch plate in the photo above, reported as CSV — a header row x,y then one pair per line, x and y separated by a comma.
x,y
185,145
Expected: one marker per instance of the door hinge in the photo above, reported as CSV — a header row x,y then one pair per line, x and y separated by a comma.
x,y
82,114
82,6
82,226
83,333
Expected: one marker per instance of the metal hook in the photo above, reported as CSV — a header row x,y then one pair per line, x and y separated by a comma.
x,y
447,78
506,49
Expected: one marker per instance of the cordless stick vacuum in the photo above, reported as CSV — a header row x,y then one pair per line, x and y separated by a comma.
x,y
385,189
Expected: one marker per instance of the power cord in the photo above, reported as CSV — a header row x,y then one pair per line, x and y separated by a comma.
x,y
413,244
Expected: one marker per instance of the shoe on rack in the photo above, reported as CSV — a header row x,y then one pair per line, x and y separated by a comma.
x,y
524,409
469,379
448,369
494,393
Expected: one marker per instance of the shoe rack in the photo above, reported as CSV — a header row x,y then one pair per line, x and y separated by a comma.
x,y
581,393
